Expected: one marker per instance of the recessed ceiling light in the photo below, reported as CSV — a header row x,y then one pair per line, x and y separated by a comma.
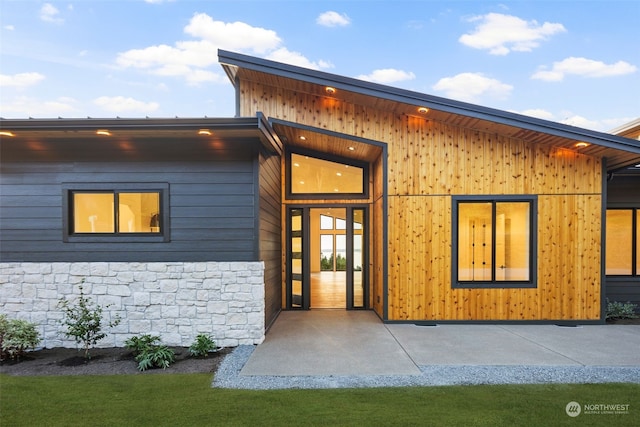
x,y
103,132
330,90
582,144
339,173
351,148
423,110
302,138
204,132
296,164
6,133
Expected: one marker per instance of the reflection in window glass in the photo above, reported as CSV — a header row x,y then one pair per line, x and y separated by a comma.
x,y
619,241
512,241
310,175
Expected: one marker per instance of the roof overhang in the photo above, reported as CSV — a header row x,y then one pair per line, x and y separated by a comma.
x,y
227,129
619,152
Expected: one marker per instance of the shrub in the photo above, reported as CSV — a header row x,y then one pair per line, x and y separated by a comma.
x,y
16,336
83,321
618,310
202,346
149,352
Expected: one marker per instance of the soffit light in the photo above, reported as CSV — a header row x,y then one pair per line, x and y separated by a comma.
x,y
582,144
103,132
350,148
330,90
302,138
204,132
423,110
7,133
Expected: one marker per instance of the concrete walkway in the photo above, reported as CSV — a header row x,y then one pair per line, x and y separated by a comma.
x,y
339,342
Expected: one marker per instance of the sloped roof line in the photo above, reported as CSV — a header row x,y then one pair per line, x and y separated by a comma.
x,y
391,93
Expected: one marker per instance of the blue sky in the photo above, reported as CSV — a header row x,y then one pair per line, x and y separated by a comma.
x,y
575,62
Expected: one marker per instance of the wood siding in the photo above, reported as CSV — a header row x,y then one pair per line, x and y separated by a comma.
x,y
211,193
427,163
270,241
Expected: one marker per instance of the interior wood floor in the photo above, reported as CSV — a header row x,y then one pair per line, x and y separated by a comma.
x,y
329,289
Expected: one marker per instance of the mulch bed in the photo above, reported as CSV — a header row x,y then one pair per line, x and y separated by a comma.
x,y
105,361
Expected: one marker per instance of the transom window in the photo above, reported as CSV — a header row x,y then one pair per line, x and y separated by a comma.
x,y
623,242
494,242
313,176
118,211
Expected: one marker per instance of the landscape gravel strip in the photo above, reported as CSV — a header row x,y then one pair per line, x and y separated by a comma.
x,y
228,376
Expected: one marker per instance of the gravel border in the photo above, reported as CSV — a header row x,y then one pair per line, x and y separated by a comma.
x,y
228,376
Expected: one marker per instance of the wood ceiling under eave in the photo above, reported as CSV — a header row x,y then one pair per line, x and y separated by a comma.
x,y
615,158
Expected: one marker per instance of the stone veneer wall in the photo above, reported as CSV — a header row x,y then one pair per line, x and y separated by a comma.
x,y
174,300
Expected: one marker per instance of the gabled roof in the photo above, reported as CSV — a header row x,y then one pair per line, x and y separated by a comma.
x,y
618,151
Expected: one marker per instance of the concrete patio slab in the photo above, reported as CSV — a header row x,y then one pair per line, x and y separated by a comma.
x,y
329,342
339,342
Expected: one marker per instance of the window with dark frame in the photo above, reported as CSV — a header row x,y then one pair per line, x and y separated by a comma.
x,y
124,212
622,257
315,175
494,242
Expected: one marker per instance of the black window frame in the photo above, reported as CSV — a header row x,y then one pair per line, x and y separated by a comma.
x,y
69,189
635,273
533,242
330,158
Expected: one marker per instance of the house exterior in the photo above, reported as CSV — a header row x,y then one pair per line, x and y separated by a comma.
x,y
623,227
323,192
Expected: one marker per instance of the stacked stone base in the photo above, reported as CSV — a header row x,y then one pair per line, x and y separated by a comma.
x,y
173,300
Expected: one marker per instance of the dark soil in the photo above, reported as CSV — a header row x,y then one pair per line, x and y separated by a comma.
x,y
635,321
105,361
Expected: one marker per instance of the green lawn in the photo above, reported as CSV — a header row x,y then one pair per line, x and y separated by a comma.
x,y
188,400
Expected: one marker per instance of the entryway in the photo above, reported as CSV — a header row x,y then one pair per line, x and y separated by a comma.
x,y
327,257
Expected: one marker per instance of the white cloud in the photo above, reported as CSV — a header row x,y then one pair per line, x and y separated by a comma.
x,y
9,27
233,35
538,113
501,34
296,58
471,86
333,19
22,106
20,80
190,59
120,104
49,13
581,122
583,67
387,75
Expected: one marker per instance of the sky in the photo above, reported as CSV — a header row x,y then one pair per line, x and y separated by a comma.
x,y
574,62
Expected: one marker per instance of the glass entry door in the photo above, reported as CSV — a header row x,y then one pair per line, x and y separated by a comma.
x,y
326,258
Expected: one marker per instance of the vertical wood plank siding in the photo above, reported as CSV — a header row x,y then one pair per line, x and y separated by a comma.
x,y
428,162
270,238
211,198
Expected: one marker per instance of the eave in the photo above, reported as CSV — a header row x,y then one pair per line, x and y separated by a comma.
x,y
619,152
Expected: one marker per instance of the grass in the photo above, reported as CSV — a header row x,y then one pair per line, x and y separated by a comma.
x,y
188,400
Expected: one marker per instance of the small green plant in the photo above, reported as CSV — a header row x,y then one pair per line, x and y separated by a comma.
x,y
150,353
83,321
618,310
16,336
202,346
